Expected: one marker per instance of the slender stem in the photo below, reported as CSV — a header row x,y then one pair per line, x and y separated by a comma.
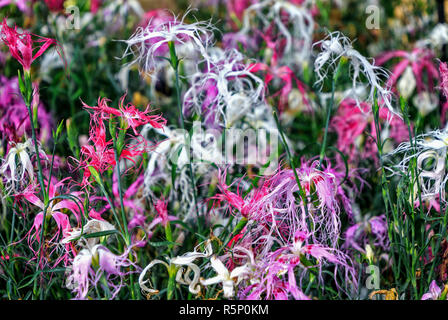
x,y
327,122
51,167
330,106
26,95
36,148
120,192
291,163
175,66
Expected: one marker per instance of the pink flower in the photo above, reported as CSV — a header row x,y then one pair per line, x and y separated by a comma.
x,y
283,73
95,5
418,60
433,293
373,232
21,45
235,9
14,118
162,218
21,4
354,120
130,201
443,69
135,118
54,210
99,154
161,207
91,264
132,116
286,75
55,5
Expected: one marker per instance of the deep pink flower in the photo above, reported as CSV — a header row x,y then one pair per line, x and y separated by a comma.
x,y
23,47
235,10
95,5
135,118
351,123
419,60
284,73
99,154
443,69
55,5
132,116
54,210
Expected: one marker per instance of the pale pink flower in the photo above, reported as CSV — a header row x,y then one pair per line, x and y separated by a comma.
x,y
434,292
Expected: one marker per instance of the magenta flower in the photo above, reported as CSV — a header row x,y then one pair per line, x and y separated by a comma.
x,y
55,5
21,4
100,153
286,75
54,211
372,231
434,292
132,116
135,118
351,123
14,118
23,47
131,202
277,272
443,69
235,10
411,68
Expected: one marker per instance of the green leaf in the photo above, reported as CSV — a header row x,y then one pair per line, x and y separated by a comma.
x,y
99,234
163,243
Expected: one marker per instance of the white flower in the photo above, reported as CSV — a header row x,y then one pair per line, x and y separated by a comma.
x,y
92,226
228,279
438,36
14,172
237,89
407,83
336,46
426,102
299,17
146,43
182,275
430,149
19,151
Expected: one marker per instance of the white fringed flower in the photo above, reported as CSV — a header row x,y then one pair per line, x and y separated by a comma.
x,y
237,89
182,273
92,226
299,19
336,46
18,163
430,151
21,152
147,44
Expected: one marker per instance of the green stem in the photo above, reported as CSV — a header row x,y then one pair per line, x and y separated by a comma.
x,y
120,192
341,63
171,281
175,65
292,165
27,96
